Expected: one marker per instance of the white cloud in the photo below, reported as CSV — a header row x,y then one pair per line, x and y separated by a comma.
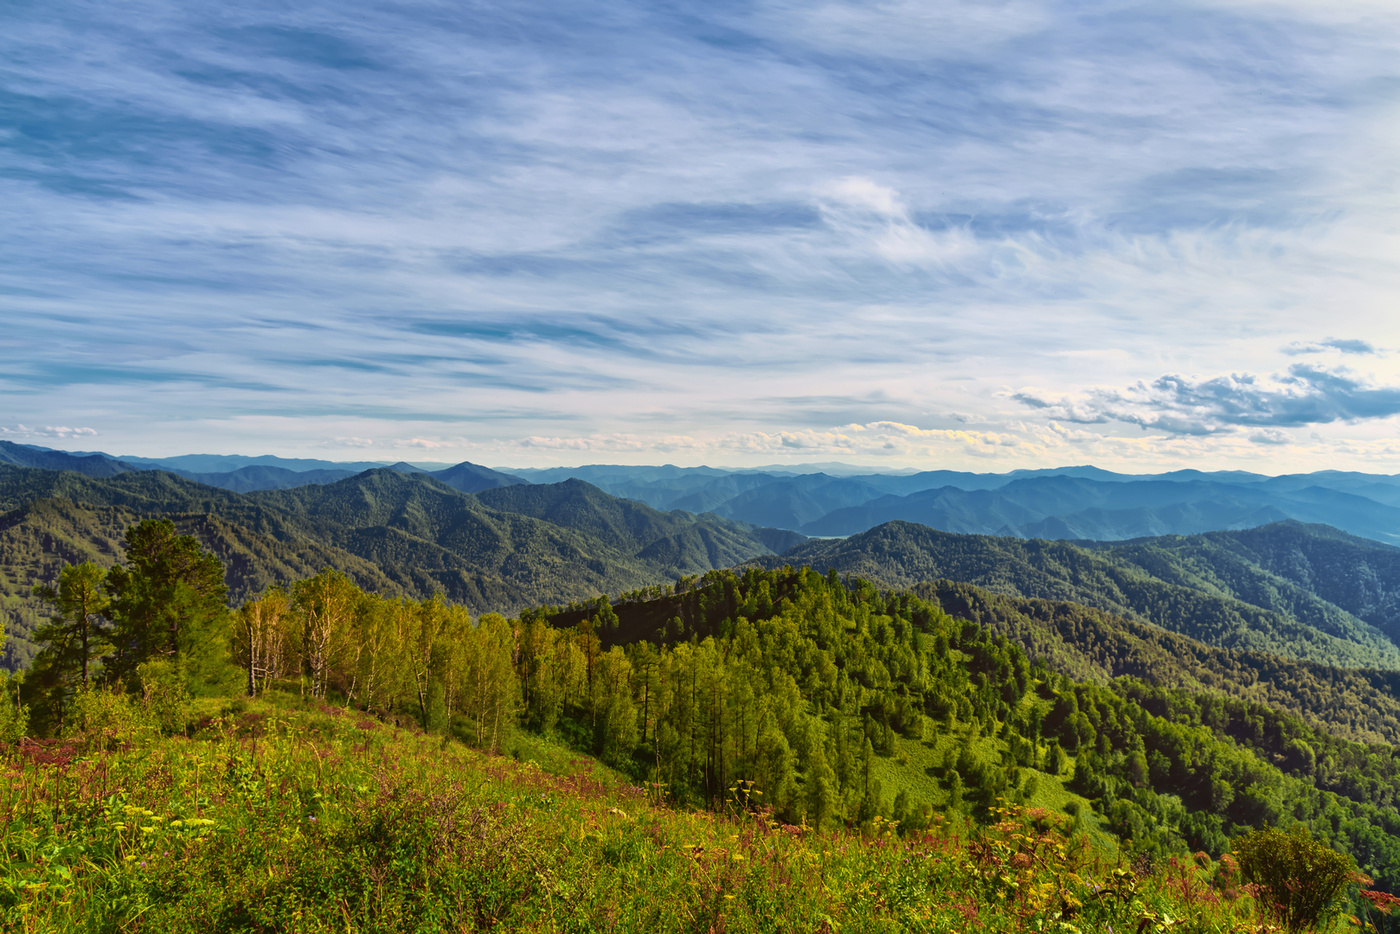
x,y
1339,345
48,431
874,216
1305,395
1270,436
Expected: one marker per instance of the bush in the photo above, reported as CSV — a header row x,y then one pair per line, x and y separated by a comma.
x,y
105,719
1296,879
14,716
164,694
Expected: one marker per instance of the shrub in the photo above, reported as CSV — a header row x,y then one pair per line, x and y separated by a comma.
x,y
105,719
164,694
1296,879
14,716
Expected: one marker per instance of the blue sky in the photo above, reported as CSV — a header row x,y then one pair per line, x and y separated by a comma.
x,y
975,235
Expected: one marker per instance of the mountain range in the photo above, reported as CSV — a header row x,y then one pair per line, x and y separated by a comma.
x,y
499,541
1068,503
1278,639
1061,503
392,532
244,474
1299,591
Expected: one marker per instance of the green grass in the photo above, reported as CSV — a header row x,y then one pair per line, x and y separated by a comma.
x,y
270,818
915,767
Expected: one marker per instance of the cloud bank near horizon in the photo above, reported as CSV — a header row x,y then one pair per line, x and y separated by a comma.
x,y
1023,232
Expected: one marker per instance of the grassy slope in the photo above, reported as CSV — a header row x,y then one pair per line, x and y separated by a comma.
x,y
918,766
273,819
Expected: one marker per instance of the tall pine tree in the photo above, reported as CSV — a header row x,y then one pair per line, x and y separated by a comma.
x,y
168,602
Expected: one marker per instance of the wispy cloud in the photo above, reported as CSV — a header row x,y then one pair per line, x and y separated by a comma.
x,y
476,225
47,432
1347,346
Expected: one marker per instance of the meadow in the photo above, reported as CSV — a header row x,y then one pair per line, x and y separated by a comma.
x,y
288,814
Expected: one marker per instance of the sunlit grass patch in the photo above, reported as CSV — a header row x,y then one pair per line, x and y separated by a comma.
x,y
274,819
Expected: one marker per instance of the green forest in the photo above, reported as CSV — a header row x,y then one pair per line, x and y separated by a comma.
x,y
832,704
388,532
1306,592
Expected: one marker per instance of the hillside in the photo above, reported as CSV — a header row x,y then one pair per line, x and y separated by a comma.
x,y
392,532
271,813
1358,704
795,697
1297,567
901,705
38,539
1260,611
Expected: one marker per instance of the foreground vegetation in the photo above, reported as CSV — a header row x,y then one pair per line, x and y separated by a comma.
x,y
286,815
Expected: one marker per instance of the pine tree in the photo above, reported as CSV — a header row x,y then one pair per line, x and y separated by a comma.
x,y
168,601
819,781
75,638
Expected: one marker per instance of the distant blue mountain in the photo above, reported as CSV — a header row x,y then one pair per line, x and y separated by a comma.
x,y
1078,502
88,464
185,464
1075,508
1082,502
473,478
259,477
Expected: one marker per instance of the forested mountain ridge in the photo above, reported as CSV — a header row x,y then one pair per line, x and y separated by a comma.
x,y
841,702
242,474
1306,568
1357,704
391,532
465,477
38,539
1138,580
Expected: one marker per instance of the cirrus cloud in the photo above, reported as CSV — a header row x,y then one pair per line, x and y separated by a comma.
x,y
1346,346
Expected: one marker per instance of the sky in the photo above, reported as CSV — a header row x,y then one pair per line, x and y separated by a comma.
x,y
970,235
